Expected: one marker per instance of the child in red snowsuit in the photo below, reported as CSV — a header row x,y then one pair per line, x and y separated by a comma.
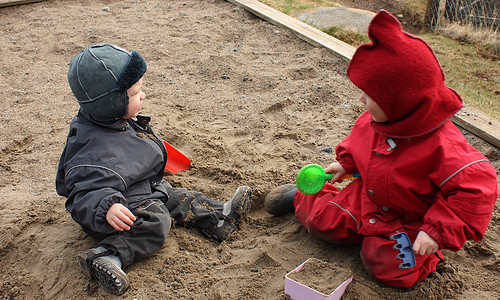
x,y
418,173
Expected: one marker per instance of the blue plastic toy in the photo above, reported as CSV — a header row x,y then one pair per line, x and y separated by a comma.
x,y
403,245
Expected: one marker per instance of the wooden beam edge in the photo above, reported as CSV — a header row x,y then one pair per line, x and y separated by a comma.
x,y
479,123
472,120
18,2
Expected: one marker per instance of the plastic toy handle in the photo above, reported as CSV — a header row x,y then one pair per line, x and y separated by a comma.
x,y
329,176
348,176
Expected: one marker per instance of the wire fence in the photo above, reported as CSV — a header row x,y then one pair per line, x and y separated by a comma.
x,y
469,16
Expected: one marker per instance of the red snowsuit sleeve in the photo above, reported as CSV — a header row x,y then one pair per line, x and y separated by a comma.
x,y
344,157
343,149
463,208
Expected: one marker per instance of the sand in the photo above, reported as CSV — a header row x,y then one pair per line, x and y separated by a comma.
x,y
248,102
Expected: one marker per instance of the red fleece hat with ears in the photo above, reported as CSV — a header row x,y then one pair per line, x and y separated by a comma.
x,y
401,73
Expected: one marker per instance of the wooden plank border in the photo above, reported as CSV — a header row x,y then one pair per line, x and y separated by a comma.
x,y
479,123
18,2
470,119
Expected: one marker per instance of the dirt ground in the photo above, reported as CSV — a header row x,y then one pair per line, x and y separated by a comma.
x,y
248,102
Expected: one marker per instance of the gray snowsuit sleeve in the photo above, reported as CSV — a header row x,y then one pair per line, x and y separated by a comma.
x,y
94,189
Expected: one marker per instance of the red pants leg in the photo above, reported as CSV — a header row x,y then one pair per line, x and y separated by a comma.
x,y
331,215
379,259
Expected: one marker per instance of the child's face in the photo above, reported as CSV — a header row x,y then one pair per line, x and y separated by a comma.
x,y
135,98
372,107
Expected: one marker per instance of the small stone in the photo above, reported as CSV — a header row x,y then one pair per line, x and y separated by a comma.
x,y
327,149
106,9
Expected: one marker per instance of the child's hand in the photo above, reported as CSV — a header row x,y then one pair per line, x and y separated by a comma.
x,y
424,244
118,216
337,169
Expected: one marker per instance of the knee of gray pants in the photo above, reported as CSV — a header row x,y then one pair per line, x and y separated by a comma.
x,y
158,216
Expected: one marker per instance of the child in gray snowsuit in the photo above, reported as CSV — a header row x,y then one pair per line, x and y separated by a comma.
x,y
112,166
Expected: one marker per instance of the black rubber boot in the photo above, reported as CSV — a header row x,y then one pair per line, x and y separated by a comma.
x,y
280,200
233,212
105,267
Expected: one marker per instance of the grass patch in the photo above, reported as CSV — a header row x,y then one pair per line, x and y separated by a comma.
x,y
470,68
415,9
487,39
476,78
349,36
290,6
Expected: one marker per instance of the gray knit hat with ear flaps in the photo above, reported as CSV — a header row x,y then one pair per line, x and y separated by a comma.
x,y
99,77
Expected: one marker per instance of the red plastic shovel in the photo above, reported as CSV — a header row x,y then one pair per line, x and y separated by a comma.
x,y
176,161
